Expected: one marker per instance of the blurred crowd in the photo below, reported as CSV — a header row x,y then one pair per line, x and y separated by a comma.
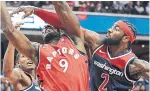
x,y
119,7
141,85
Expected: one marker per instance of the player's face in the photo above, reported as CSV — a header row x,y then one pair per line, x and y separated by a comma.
x,y
48,29
49,33
26,63
114,35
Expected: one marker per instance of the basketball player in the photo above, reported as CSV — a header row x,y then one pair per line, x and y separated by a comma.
x,y
114,65
22,77
62,64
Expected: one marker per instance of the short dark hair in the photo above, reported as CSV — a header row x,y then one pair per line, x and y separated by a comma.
x,y
17,58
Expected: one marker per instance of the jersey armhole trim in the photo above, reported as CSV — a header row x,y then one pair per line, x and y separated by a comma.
x,y
26,89
126,69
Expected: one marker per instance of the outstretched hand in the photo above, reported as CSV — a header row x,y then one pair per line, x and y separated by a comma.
x,y
28,10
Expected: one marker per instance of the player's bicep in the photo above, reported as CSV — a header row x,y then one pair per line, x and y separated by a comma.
x,y
15,76
93,38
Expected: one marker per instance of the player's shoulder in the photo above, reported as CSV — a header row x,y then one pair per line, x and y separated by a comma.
x,y
72,38
16,74
77,42
35,43
17,71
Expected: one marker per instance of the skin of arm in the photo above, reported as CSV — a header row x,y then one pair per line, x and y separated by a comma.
x,y
55,21
68,19
6,83
8,62
89,36
52,19
92,38
11,73
140,67
17,38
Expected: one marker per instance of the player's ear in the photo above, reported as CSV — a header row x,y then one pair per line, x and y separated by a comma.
x,y
17,64
126,39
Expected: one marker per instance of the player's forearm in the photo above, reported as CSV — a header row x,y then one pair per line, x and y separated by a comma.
x,y
49,17
140,67
17,38
6,20
144,65
68,19
8,62
146,76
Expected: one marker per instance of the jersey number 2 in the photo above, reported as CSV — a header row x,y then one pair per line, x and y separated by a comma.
x,y
101,87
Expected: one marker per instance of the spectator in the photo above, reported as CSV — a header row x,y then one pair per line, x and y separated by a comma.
x,y
99,8
36,4
83,7
92,7
48,5
88,4
148,8
118,6
71,4
14,3
140,85
26,3
128,8
139,9
107,5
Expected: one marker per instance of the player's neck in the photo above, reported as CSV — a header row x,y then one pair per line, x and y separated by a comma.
x,y
54,42
115,50
31,72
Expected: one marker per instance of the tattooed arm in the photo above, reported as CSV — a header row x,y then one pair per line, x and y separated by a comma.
x,y
139,68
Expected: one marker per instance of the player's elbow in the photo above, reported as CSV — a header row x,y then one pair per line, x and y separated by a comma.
x,y
8,30
7,73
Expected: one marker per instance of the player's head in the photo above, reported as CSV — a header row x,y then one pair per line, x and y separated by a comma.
x,y
49,34
24,63
122,32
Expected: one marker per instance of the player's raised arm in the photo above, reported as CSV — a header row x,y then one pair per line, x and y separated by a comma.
x,y
68,19
8,62
17,38
140,68
52,19
8,65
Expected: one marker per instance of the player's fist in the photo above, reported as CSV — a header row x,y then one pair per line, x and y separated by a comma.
x,y
28,10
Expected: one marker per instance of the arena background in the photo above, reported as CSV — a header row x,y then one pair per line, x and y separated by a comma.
x,y
93,15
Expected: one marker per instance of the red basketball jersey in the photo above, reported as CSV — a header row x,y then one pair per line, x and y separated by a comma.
x,y
62,67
